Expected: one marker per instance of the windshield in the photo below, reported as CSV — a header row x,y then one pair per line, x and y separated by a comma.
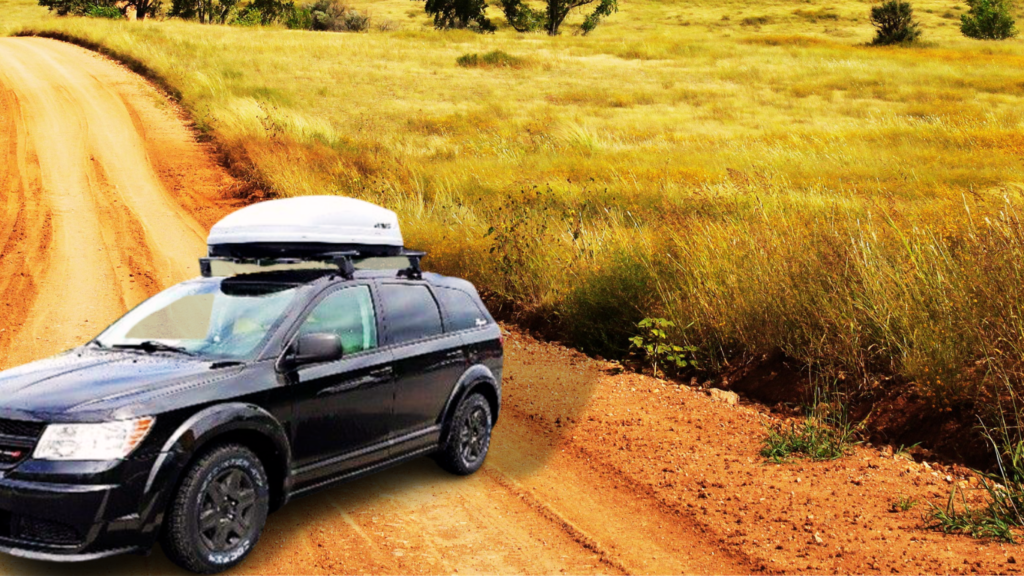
x,y
220,318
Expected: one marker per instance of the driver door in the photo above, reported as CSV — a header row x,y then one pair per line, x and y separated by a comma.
x,y
342,409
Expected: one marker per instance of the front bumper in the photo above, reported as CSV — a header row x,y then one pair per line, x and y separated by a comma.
x,y
48,520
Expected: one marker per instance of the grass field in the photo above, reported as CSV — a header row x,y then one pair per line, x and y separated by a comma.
x,y
751,170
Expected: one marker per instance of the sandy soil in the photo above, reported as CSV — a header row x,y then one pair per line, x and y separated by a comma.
x,y
105,198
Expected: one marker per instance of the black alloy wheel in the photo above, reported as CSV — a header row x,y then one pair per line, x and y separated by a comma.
x,y
226,513
217,515
468,438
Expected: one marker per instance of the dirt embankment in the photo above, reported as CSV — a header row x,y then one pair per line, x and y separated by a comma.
x,y
105,197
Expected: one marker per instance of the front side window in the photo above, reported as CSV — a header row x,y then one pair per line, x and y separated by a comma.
x,y
349,314
218,317
410,312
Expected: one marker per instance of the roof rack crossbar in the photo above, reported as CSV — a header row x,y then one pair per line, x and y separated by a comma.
x,y
344,260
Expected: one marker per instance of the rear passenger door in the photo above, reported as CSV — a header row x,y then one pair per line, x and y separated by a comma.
x,y
427,362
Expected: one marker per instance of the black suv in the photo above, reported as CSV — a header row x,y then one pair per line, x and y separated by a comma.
x,y
212,403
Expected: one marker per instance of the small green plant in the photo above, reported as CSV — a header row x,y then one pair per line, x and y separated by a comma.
x,y
493,59
895,24
988,20
904,451
654,345
903,503
825,433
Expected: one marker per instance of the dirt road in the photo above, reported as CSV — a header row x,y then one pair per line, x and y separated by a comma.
x,y
105,198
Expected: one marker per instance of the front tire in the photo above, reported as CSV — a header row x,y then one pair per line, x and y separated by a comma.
x,y
469,437
218,512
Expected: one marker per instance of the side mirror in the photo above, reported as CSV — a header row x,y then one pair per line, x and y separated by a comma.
x,y
313,348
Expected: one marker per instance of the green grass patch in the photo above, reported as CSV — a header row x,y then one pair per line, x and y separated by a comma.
x,y
492,59
825,433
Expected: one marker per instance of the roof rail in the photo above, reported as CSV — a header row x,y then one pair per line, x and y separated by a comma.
x,y
345,261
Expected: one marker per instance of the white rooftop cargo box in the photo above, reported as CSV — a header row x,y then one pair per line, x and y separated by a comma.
x,y
304,226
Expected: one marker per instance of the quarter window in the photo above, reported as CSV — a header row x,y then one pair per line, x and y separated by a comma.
x,y
349,314
410,312
461,309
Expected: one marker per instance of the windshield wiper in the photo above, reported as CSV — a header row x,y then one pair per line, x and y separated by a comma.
x,y
150,346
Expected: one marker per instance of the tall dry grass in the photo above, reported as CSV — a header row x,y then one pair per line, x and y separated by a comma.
x,y
751,171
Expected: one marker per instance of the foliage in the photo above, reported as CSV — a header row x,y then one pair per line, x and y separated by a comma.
x,y
70,7
654,345
493,59
335,16
524,18
471,14
895,24
298,18
825,433
110,12
203,11
264,13
248,16
988,20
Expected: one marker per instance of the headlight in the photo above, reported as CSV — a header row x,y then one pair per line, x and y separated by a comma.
x,y
103,441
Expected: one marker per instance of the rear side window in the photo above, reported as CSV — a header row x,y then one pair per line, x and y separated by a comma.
x,y
461,308
410,312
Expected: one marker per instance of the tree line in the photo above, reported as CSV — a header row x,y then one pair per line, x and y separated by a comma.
x,y
893,19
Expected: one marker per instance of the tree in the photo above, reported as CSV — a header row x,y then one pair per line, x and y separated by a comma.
x,y
526,19
895,23
988,20
460,14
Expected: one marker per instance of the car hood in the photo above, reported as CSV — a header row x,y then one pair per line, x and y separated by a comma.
x,y
85,380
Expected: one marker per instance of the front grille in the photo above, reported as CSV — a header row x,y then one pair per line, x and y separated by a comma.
x,y
21,428
17,440
43,531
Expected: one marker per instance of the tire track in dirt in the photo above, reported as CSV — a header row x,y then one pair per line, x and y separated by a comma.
x,y
25,229
107,198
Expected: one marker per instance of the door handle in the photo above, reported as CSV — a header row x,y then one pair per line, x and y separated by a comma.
x,y
375,377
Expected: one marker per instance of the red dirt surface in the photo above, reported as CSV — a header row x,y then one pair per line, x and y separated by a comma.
x,y
105,197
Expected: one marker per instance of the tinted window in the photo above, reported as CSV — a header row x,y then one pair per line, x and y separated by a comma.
x,y
410,312
463,313
349,314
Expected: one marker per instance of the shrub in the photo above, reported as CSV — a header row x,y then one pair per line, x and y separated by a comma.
x,y
298,18
895,23
988,20
110,12
654,346
334,16
493,59
249,17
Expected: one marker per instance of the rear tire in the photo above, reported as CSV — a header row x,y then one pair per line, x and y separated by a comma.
x,y
217,515
468,438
